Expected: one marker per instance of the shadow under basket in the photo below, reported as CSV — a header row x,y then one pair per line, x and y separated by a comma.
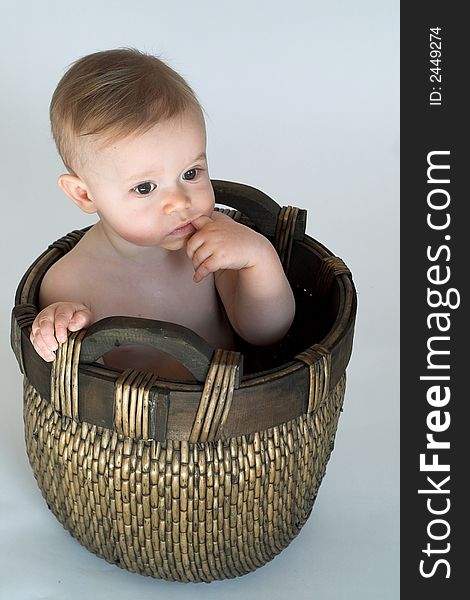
x,y
192,480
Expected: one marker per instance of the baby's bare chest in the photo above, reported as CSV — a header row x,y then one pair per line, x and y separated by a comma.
x,y
162,294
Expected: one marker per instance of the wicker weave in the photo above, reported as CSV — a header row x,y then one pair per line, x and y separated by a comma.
x,y
178,510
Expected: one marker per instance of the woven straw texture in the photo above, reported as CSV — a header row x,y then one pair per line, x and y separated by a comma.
x,y
180,510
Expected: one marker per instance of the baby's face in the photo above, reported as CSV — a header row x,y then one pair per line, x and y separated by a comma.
x,y
148,188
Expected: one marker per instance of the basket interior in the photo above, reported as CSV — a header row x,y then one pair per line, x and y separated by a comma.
x,y
315,316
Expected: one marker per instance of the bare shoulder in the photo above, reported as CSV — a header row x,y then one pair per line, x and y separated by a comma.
x,y
65,280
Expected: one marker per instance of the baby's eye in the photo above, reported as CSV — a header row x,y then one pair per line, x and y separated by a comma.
x,y
191,174
144,188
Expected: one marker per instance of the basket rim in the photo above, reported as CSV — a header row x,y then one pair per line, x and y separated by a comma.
x,y
345,315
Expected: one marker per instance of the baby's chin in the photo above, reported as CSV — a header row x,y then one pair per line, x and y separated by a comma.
x,y
176,244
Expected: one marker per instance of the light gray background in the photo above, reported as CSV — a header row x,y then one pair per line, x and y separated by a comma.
x,y
302,98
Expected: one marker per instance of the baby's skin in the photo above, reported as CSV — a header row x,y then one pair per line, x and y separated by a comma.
x,y
160,251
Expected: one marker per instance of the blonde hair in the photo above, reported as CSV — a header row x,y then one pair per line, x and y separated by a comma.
x,y
112,94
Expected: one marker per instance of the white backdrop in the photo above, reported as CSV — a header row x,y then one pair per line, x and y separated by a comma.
x,y
302,99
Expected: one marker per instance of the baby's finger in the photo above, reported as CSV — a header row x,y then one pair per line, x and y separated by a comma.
x,y
201,254
42,348
193,244
62,319
201,221
210,265
80,320
46,332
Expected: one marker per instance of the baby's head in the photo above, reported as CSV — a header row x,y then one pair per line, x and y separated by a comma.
x,y
132,135
109,95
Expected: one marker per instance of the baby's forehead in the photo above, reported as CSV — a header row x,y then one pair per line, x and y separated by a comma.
x,y
90,148
177,140
114,138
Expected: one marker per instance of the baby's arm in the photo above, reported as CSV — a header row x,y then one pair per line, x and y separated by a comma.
x,y
63,310
249,277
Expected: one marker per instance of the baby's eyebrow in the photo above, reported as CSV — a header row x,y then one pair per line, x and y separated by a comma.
x,y
202,156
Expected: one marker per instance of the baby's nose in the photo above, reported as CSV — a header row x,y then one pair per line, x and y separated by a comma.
x,y
175,201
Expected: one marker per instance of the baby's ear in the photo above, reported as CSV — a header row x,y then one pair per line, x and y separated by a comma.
x,y
77,190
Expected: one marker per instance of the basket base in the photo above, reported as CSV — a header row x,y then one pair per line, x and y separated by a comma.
x,y
175,510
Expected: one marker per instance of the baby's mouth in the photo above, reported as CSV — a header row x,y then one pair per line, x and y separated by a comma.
x,y
184,229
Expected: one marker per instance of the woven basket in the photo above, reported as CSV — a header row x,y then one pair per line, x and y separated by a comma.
x,y
192,481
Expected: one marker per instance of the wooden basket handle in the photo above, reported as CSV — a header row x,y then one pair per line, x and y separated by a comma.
x,y
260,209
178,341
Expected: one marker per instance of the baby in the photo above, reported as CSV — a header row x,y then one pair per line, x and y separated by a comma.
x,y
131,134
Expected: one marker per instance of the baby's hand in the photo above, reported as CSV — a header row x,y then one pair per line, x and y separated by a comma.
x,y
50,327
222,243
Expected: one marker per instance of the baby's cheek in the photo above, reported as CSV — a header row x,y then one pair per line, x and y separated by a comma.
x,y
145,234
205,203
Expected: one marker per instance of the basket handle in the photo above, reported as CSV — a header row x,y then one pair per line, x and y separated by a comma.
x,y
261,210
180,342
